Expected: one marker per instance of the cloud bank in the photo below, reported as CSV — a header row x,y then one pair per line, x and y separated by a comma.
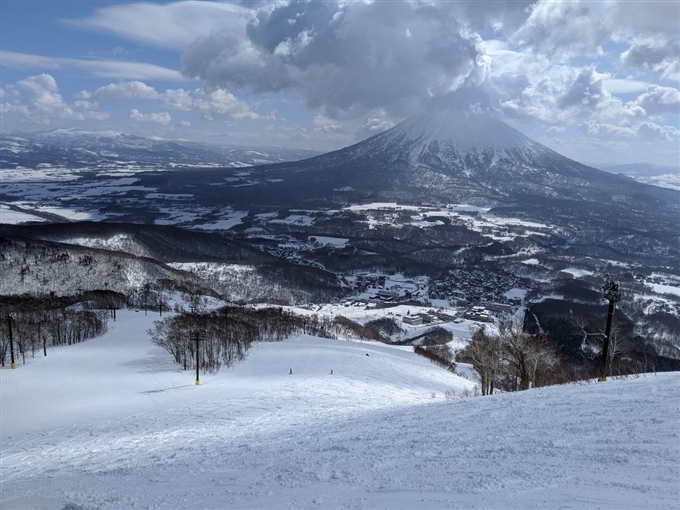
x,y
382,61
344,57
36,100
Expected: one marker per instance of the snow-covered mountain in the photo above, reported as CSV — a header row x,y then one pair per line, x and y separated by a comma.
x,y
454,158
472,155
71,148
451,156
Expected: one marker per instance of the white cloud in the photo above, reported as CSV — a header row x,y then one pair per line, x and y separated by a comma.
x,y
325,125
624,86
209,102
158,118
343,57
85,105
177,99
376,125
653,131
126,90
562,29
656,54
581,27
535,96
173,25
659,100
586,92
595,128
36,100
640,131
562,95
117,69
352,59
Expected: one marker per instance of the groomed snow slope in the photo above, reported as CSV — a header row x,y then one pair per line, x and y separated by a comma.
x,y
112,423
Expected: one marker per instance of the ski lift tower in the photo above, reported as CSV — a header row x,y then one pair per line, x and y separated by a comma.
x,y
612,293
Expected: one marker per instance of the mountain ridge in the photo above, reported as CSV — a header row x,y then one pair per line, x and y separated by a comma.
x,y
97,149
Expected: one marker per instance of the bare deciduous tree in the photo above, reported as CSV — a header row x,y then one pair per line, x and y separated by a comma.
x,y
485,353
531,357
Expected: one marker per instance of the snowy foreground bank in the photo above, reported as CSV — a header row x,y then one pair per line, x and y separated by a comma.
x,y
113,424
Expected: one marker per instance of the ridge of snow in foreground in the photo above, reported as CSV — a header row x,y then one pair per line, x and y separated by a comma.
x,y
112,423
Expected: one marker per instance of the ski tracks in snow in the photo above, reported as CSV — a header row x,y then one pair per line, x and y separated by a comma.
x,y
255,436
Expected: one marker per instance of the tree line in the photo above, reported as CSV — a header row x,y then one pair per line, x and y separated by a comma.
x,y
39,322
226,334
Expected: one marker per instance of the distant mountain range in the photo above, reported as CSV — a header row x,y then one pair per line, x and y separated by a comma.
x,y
82,149
648,173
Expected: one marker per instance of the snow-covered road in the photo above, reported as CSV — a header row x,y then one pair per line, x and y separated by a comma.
x,y
112,423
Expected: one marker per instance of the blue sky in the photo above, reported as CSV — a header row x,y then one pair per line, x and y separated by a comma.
x,y
596,81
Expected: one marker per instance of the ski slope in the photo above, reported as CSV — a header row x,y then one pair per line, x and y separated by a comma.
x,y
112,423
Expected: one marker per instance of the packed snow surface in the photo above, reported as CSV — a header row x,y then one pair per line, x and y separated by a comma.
x,y
113,423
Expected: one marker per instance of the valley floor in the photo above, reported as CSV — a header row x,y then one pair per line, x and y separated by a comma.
x,y
112,423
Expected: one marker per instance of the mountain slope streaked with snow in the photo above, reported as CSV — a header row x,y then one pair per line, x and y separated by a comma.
x,y
450,157
112,423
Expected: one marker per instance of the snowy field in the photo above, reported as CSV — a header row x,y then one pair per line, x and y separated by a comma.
x,y
14,217
112,423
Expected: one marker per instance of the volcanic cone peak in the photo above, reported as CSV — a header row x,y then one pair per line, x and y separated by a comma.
x,y
445,157
464,130
453,156
462,141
